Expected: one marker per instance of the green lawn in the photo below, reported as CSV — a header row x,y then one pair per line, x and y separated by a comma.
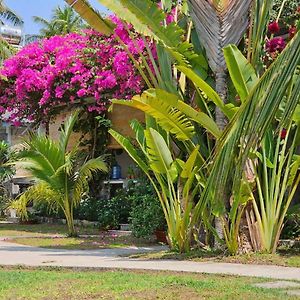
x,y
100,242
284,257
36,235
69,284
41,229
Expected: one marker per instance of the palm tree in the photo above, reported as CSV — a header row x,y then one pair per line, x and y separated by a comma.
x,y
62,175
6,14
48,27
64,20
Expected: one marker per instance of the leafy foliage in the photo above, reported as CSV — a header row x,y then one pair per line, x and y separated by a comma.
x,y
63,21
67,71
62,175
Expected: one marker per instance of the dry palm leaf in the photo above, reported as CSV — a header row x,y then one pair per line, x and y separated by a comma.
x,y
219,23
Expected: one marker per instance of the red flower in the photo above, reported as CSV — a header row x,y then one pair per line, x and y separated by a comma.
x,y
298,10
273,27
283,133
292,31
275,44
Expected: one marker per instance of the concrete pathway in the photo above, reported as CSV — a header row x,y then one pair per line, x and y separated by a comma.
x,y
15,254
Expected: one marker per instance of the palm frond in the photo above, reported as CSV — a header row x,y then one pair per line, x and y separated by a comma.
x,y
91,16
218,24
38,193
42,153
249,125
67,130
41,21
85,174
9,15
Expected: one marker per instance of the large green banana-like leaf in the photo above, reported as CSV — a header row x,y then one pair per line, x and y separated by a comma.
x,y
219,23
147,19
249,125
138,129
126,144
203,86
159,154
226,109
91,16
172,114
241,71
197,116
168,117
190,164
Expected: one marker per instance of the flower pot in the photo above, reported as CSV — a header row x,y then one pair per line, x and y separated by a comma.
x,y
161,236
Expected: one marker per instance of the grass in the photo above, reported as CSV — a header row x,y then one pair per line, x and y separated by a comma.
x,y
41,229
38,236
283,257
60,284
103,241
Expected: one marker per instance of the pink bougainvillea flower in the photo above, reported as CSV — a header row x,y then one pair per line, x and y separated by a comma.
x,y
283,133
274,27
275,44
292,31
62,70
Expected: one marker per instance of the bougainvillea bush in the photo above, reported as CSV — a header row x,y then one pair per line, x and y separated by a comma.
x,y
281,29
85,69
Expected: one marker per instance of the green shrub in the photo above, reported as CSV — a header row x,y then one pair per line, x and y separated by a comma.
x,y
146,216
115,211
89,208
138,205
291,229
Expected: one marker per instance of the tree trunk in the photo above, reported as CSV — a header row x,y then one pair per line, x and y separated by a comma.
x,y
221,89
70,220
221,120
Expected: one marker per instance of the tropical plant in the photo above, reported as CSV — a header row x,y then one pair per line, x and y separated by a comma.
x,y
6,173
277,180
115,211
83,70
146,217
177,182
61,171
63,21
6,159
247,125
7,15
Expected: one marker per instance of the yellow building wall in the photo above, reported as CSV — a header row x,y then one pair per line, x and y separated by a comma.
x,y
120,117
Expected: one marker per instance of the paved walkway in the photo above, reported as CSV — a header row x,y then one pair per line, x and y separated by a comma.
x,y
15,254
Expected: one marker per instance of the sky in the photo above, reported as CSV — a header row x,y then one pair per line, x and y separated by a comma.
x,y
42,8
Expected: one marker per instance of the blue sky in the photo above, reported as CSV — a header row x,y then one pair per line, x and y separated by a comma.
x,y
43,8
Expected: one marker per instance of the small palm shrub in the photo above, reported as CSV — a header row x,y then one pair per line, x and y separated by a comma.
x,y
62,175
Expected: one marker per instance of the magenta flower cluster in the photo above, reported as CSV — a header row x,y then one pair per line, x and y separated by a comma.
x,y
85,69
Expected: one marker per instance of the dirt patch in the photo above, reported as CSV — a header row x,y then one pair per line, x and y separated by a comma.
x,y
167,293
